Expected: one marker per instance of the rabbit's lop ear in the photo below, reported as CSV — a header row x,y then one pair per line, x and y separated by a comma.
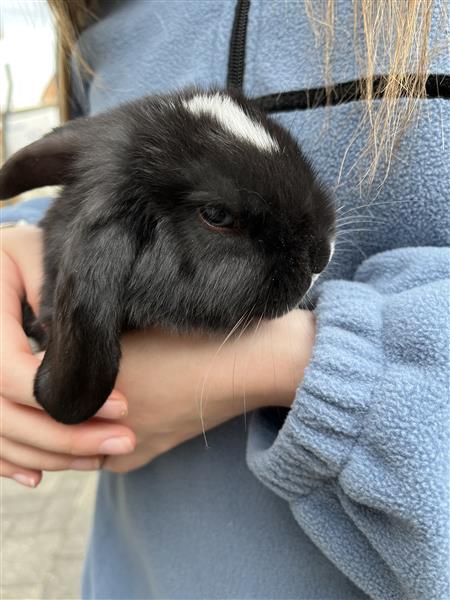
x,y
81,361
44,162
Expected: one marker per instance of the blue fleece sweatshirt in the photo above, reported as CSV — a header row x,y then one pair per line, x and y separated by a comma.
x,y
348,496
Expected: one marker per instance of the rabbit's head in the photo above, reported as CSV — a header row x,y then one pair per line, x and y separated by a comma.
x,y
189,211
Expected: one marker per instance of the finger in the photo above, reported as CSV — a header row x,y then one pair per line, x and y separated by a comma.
x,y
130,462
144,454
23,476
17,379
18,365
28,457
27,251
17,373
35,428
116,407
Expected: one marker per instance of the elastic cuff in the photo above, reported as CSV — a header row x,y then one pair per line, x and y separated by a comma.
x,y
328,412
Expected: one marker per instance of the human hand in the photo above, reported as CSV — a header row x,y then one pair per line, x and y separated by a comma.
x,y
180,386
30,440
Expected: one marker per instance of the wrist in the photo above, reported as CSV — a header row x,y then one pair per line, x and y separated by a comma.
x,y
265,366
284,353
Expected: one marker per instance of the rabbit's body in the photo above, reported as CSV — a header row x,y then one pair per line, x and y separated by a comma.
x,y
189,211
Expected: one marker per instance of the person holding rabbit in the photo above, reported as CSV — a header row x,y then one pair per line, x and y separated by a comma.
x,y
324,470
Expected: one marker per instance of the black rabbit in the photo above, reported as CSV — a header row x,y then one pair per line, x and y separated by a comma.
x,y
190,210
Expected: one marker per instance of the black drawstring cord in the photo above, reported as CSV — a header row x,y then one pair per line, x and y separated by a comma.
x,y
236,57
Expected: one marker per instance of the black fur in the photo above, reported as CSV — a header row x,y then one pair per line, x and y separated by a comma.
x,y
125,247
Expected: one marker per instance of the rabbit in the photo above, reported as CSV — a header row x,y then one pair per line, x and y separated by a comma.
x,y
190,211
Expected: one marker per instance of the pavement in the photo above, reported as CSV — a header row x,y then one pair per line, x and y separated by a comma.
x,y
43,535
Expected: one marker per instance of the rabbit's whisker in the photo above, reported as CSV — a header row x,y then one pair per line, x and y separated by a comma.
x,y
249,320
202,402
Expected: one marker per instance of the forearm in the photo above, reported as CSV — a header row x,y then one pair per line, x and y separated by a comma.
x,y
179,386
262,366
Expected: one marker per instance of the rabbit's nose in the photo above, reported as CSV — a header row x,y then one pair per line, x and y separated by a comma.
x,y
321,253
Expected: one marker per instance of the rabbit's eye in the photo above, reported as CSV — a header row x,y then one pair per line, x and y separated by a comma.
x,y
216,217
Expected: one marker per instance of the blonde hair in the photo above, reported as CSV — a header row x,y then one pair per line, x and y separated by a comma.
x,y
71,17
403,27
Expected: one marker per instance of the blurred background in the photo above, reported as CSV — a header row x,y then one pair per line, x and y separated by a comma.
x,y
43,532
28,91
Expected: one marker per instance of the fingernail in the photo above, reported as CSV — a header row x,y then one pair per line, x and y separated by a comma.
x,y
85,464
117,445
24,479
113,409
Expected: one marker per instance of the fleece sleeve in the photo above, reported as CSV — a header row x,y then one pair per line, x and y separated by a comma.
x,y
362,456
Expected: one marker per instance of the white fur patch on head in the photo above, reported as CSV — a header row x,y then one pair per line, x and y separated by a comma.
x,y
233,119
